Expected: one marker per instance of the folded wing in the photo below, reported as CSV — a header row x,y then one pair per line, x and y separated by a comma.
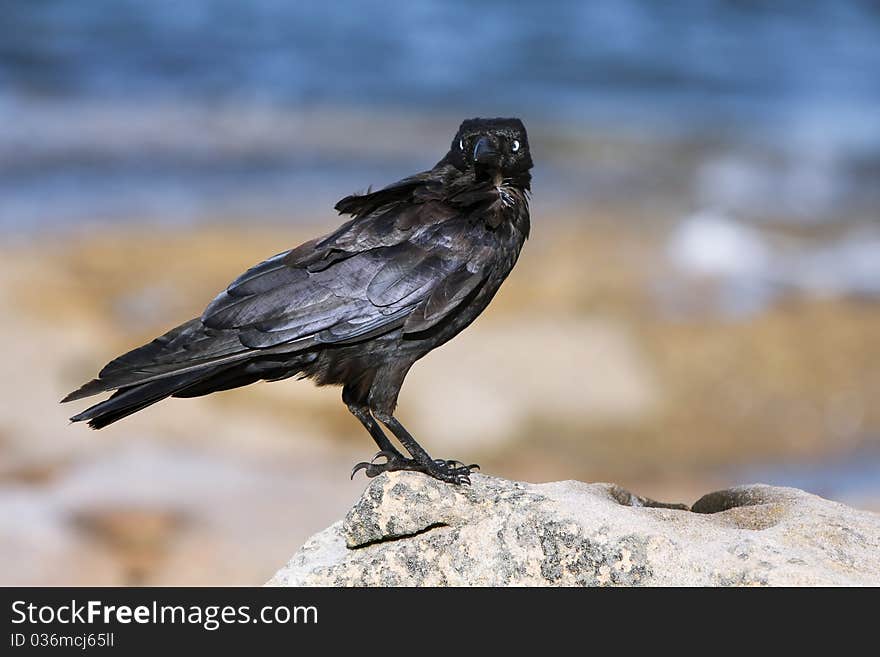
x,y
397,266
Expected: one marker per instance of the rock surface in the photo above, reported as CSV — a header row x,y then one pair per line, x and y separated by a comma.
x,y
409,530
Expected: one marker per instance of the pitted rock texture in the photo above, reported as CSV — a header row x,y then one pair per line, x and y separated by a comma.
x,y
410,530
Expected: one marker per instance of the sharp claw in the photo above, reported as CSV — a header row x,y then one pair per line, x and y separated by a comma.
x,y
359,466
474,466
388,456
369,466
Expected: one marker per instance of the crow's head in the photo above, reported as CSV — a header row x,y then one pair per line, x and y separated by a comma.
x,y
491,147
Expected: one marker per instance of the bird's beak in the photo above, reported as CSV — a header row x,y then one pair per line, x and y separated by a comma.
x,y
485,153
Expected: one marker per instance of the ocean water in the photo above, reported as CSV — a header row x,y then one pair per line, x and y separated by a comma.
x,y
851,477
124,110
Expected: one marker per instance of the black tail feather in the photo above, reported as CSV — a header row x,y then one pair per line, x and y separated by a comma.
x,y
93,387
194,383
126,401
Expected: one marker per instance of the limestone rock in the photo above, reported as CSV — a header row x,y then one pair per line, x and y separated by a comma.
x,y
410,530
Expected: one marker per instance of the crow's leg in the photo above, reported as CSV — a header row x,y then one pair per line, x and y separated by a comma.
x,y
381,403
453,472
362,412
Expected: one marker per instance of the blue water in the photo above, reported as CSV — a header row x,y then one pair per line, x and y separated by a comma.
x,y
853,477
113,109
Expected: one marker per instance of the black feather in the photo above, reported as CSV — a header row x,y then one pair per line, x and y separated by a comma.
x,y
126,401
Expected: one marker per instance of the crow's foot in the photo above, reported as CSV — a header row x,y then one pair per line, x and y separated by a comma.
x,y
373,469
452,472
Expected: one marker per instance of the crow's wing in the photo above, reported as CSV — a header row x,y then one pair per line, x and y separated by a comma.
x,y
406,250
406,260
357,296
444,298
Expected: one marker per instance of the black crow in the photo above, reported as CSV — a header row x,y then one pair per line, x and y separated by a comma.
x,y
418,261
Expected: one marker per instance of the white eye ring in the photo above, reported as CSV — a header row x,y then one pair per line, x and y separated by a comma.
x,y
461,144
514,146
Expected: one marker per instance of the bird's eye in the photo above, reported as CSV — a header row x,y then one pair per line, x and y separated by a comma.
x,y
461,144
514,146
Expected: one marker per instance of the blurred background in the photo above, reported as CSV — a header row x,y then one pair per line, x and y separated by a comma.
x,y
704,271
